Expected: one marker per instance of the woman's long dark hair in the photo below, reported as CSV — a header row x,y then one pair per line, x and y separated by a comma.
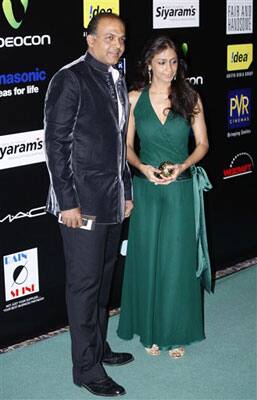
x,y
183,98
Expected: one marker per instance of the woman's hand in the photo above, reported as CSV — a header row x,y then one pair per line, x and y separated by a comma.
x,y
176,171
150,172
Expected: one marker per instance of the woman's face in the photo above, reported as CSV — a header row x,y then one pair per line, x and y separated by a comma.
x,y
164,66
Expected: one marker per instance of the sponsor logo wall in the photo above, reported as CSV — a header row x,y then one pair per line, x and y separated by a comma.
x,y
36,39
241,131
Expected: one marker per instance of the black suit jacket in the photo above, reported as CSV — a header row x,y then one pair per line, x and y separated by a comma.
x,y
85,146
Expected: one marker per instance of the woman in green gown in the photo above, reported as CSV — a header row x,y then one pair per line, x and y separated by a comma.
x,y
162,294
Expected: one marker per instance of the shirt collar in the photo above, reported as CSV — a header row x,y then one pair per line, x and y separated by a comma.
x,y
115,74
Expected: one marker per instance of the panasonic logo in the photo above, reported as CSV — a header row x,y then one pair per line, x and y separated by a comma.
x,y
23,77
19,41
20,148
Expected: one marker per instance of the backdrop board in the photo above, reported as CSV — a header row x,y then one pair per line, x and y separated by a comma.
x,y
217,41
36,38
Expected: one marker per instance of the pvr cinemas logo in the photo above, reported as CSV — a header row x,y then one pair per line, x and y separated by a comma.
x,y
21,274
95,7
239,108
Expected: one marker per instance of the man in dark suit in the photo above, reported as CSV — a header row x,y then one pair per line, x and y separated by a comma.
x,y
86,115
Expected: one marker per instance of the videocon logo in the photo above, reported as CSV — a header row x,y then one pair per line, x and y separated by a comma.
x,y
9,14
184,48
194,80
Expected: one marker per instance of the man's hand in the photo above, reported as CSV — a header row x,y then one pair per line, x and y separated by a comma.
x,y
72,218
128,208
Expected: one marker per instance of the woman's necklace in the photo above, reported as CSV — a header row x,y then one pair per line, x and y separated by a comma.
x,y
156,93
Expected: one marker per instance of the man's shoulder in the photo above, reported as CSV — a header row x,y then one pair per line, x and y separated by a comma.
x,y
69,72
75,65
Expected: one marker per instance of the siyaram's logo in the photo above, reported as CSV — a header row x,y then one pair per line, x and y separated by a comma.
x,y
9,13
21,274
241,164
95,7
21,149
166,12
175,14
33,213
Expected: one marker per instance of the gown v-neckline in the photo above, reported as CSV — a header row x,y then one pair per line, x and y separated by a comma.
x,y
155,113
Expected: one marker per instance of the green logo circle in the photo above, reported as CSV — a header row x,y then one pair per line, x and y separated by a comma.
x,y
9,15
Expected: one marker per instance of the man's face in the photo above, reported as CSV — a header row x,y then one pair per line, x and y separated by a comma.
x,y
108,44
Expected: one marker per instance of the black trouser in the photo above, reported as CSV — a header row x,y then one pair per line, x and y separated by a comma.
x,y
90,258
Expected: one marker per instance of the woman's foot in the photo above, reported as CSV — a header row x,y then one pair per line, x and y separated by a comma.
x,y
176,353
154,350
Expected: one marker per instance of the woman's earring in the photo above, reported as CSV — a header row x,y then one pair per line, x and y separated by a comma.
x,y
174,77
149,76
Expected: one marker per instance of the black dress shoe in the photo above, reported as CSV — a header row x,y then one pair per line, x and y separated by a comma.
x,y
104,387
118,359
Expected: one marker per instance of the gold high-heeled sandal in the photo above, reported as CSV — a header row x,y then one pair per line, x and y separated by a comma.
x,y
154,350
176,353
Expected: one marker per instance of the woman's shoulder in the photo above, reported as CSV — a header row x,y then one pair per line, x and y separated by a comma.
x,y
134,96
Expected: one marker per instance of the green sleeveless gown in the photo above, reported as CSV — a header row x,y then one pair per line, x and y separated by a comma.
x,y
161,297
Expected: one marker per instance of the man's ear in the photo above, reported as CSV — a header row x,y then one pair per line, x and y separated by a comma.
x,y
90,41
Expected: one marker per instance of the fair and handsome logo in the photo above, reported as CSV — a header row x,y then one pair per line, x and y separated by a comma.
x,y
239,56
241,164
175,14
9,13
239,108
239,17
33,213
21,274
23,148
92,8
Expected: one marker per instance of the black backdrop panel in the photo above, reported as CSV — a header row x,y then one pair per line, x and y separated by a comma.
x,y
31,256
231,206
50,35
